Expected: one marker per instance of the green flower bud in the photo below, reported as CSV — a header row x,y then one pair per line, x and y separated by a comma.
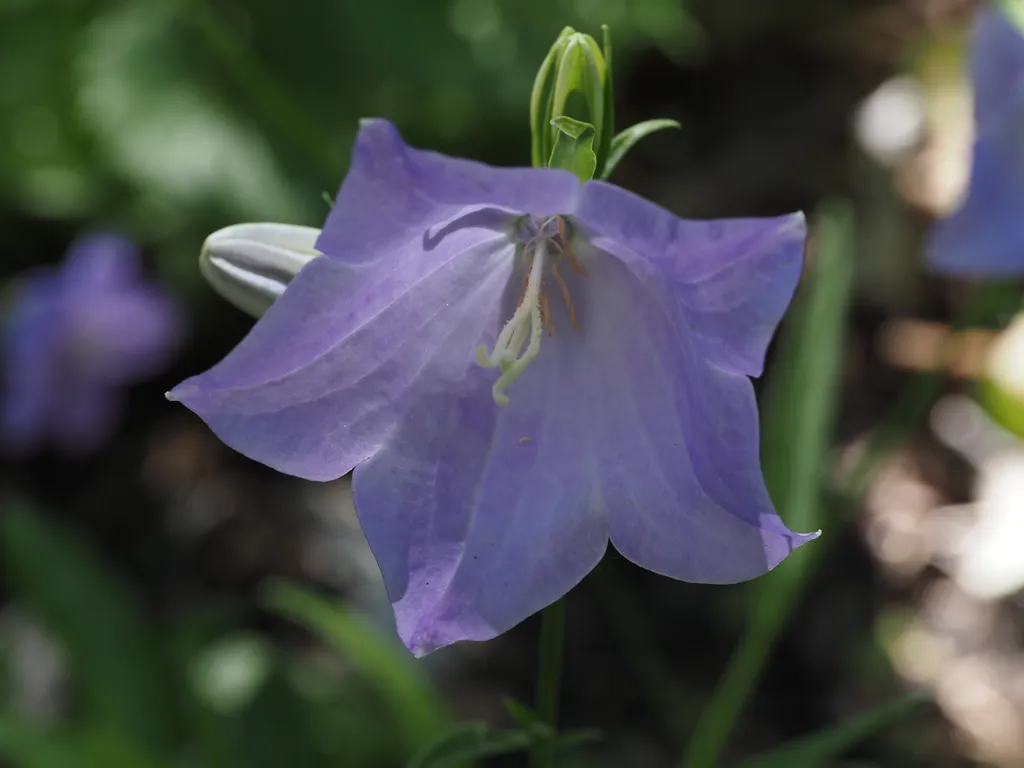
x,y
574,82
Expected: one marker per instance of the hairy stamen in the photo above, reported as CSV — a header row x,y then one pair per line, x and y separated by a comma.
x,y
508,351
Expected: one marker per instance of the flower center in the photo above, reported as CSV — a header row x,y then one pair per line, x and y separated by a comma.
x,y
518,344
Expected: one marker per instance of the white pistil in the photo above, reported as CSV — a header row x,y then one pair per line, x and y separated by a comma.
x,y
508,351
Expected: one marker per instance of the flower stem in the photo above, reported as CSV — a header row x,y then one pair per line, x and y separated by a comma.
x,y
549,678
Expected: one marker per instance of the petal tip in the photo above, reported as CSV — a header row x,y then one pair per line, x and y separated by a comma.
x,y
378,129
183,392
803,538
426,638
796,224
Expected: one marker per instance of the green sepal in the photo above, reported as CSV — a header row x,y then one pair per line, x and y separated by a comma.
x,y
626,140
574,64
581,68
574,148
540,100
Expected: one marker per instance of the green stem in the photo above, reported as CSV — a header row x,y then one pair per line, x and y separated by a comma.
x,y
774,597
549,678
626,620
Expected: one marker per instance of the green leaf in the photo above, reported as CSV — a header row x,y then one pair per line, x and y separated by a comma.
x,y
97,620
276,729
471,741
819,748
574,148
526,718
798,413
32,746
180,145
419,713
626,140
213,735
467,742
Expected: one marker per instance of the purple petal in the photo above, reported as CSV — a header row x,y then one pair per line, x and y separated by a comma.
x,y
985,236
100,263
33,334
479,516
322,380
675,437
123,336
119,329
997,66
733,278
393,193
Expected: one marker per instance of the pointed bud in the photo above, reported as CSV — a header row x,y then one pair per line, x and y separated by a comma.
x,y
250,265
574,65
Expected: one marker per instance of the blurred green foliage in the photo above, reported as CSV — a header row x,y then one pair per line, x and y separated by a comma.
x,y
172,118
145,694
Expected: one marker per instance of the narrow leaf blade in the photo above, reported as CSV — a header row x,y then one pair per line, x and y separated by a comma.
x,y
819,748
628,139
470,741
419,712
98,621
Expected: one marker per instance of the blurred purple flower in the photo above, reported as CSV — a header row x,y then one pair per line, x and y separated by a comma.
x,y
73,336
621,408
985,236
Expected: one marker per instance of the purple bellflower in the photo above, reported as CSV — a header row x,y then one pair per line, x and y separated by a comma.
x,y
73,337
985,236
518,367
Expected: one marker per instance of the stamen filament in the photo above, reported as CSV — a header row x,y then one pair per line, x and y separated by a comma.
x,y
507,348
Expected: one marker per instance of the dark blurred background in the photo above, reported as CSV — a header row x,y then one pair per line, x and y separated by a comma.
x,y
137,575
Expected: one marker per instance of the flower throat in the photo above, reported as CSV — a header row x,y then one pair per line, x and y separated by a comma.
x,y
519,341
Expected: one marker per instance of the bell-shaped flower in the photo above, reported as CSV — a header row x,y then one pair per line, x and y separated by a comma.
x,y
73,336
518,367
985,235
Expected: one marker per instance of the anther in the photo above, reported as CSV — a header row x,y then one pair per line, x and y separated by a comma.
x,y
545,314
566,295
567,247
